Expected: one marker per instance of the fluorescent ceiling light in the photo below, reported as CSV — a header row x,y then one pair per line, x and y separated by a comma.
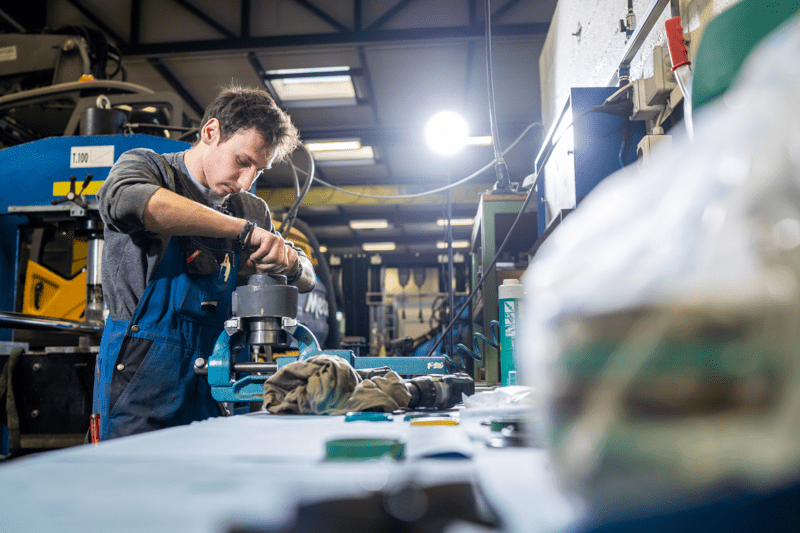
x,y
325,146
483,140
329,83
314,70
363,153
369,224
323,248
456,222
378,246
456,244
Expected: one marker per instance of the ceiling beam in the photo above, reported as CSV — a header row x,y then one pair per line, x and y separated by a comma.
x,y
386,17
167,74
244,20
373,102
86,12
505,9
427,240
261,73
9,20
202,15
358,15
395,217
468,193
400,136
473,12
136,21
323,15
348,38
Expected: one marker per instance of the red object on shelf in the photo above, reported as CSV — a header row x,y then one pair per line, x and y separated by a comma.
x,y
677,44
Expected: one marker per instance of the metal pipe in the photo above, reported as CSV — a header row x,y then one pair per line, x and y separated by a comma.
x,y
256,368
649,20
10,100
94,287
40,323
94,257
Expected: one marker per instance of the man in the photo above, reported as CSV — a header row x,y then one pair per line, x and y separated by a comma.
x,y
179,230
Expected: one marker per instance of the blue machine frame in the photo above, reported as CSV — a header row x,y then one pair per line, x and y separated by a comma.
x,y
32,170
248,388
596,142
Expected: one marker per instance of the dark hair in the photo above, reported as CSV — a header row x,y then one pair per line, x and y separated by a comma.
x,y
242,108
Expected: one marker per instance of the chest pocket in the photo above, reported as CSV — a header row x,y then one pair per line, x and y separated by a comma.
x,y
202,293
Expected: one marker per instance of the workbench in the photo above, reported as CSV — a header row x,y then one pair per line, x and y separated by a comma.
x,y
253,472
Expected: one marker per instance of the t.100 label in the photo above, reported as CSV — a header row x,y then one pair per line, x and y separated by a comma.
x,y
91,156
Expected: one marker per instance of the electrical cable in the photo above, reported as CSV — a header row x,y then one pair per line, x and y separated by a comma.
x,y
333,341
440,189
617,93
493,262
286,225
502,246
296,179
462,350
625,129
490,83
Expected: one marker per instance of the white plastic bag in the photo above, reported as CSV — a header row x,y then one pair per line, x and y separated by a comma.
x,y
670,292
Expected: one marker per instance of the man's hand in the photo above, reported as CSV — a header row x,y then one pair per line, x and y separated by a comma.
x,y
270,253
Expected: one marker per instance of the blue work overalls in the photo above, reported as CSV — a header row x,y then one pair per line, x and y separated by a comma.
x,y
144,379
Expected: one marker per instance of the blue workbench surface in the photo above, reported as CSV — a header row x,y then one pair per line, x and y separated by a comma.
x,y
257,469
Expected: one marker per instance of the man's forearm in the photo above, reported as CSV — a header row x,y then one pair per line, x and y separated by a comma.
x,y
169,213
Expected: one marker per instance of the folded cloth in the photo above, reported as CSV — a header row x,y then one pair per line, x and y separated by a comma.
x,y
386,394
327,384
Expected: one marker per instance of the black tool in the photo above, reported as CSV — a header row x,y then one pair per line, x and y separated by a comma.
x,y
72,196
439,391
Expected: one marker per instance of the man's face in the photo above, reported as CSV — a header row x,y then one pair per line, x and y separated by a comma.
x,y
233,165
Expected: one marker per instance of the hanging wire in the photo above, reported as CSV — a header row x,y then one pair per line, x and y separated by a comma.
x,y
288,221
434,191
490,82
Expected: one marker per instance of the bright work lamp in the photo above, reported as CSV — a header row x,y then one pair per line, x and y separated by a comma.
x,y
446,133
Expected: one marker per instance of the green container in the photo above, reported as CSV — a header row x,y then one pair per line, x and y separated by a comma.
x,y
510,301
361,449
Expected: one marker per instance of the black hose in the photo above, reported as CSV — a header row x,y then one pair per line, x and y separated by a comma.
x,y
333,341
286,225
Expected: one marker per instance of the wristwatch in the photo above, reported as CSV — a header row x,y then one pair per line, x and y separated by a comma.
x,y
297,273
244,236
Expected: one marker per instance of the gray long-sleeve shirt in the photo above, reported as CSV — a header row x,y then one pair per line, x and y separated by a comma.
x,y
131,253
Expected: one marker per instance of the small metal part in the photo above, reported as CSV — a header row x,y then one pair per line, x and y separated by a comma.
x,y
135,329
37,367
265,296
208,306
35,413
232,326
266,331
256,368
412,416
200,367
120,367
